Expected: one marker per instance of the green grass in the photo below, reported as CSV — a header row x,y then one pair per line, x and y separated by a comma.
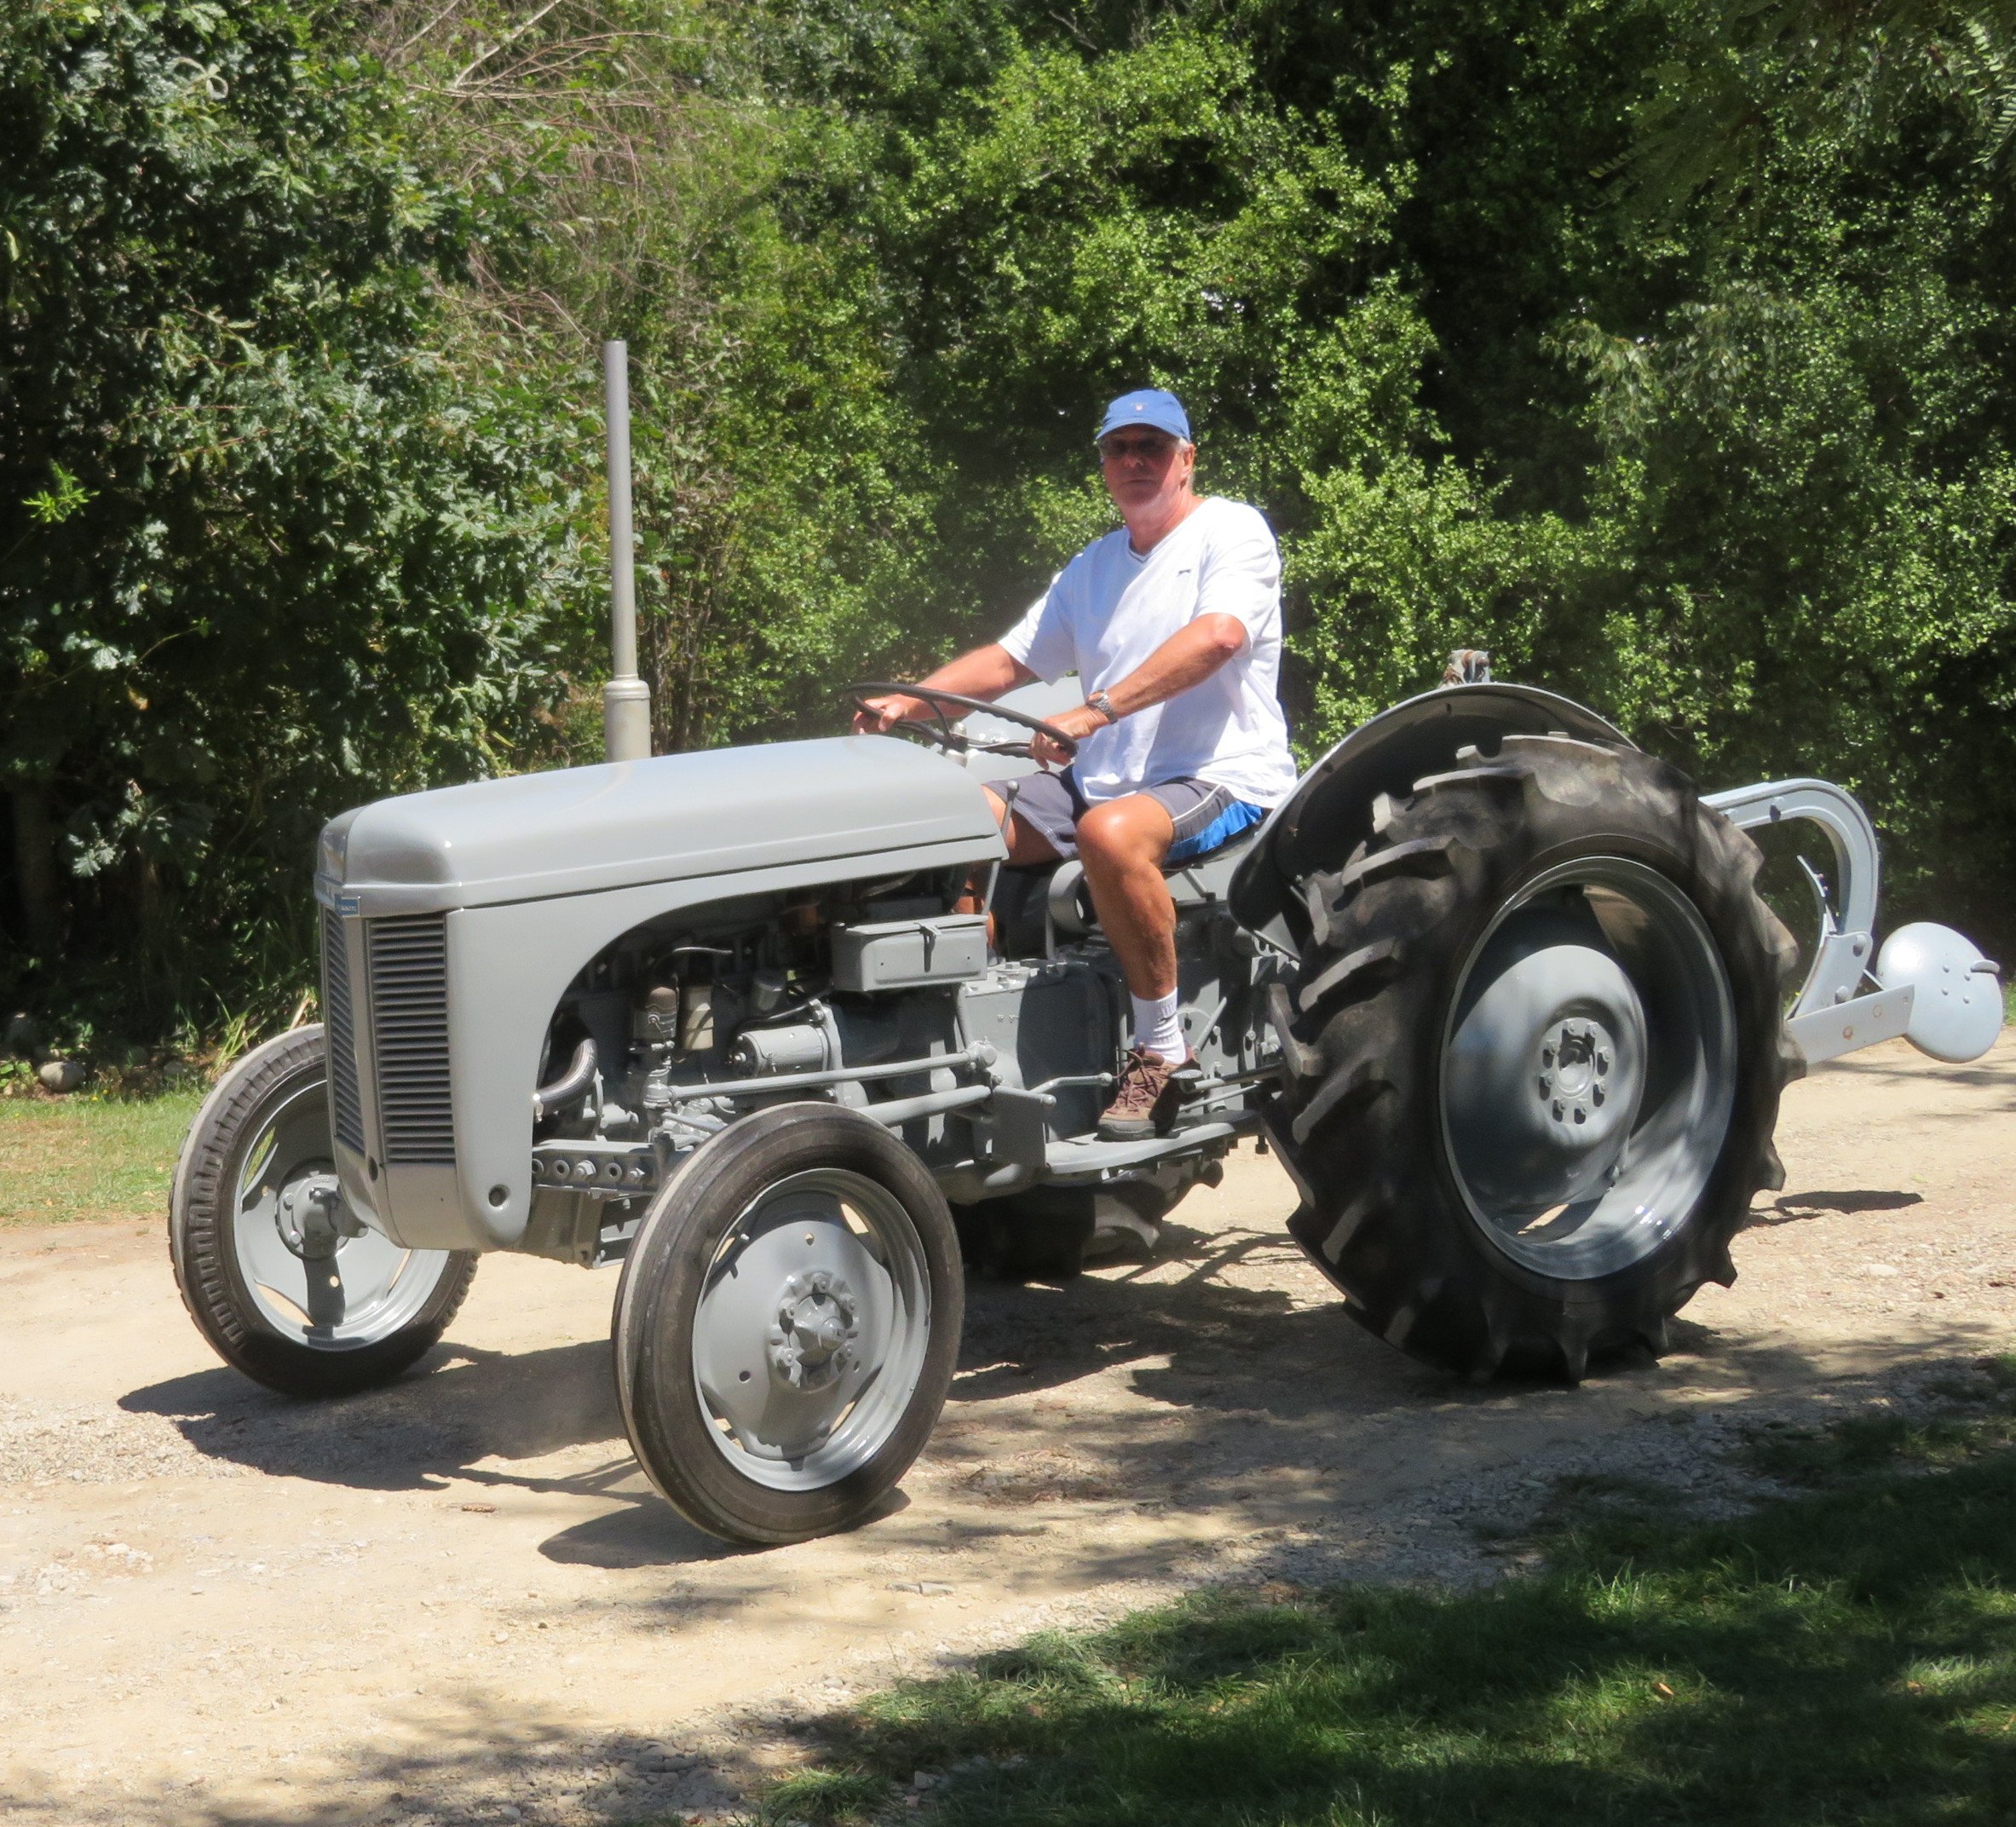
x,y
1848,1656
86,1157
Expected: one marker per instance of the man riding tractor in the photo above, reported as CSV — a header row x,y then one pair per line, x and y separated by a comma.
x,y
1173,622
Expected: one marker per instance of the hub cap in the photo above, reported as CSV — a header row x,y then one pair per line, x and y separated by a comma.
x,y
1589,1069
816,1322
810,1334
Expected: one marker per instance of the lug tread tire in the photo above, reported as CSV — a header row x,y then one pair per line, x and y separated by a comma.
x,y
1355,974
205,1258
660,1290
1357,1121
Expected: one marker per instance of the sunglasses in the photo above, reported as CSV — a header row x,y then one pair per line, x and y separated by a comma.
x,y
1121,448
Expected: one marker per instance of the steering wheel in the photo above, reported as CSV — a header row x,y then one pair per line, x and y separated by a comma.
x,y
941,732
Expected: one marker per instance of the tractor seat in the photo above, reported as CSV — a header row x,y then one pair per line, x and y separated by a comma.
x,y
1202,882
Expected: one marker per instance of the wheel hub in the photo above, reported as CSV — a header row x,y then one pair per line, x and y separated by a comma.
x,y
1545,1067
809,1331
1575,1059
310,1216
810,1345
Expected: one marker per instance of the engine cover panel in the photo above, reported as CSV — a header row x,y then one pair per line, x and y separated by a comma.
x,y
573,831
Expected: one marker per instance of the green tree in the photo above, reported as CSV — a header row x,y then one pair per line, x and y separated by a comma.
x,y
1735,472
262,554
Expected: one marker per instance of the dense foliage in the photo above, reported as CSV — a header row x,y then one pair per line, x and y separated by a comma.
x,y
262,553
1739,475
1666,347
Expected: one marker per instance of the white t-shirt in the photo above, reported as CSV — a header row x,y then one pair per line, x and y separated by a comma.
x,y
1109,609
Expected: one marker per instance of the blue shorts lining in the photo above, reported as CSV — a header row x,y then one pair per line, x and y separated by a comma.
x,y
1240,815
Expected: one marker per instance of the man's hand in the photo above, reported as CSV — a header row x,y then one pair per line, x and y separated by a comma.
x,y
880,714
1078,724
985,672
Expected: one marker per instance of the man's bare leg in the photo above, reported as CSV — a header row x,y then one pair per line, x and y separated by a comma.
x,y
1122,843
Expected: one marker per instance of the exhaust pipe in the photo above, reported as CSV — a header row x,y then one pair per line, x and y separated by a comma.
x,y
626,700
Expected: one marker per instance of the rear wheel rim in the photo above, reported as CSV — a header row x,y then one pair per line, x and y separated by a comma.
x,y
367,1290
1589,1069
810,1331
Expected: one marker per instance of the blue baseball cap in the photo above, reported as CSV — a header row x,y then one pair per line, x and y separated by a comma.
x,y
1147,406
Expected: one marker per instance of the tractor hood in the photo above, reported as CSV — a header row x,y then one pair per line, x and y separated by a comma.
x,y
625,824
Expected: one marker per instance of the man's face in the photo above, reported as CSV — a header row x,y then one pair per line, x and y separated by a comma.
x,y
1143,466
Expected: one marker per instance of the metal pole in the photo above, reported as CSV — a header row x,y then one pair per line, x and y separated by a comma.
x,y
626,700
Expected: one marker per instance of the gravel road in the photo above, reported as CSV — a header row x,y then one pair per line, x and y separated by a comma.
x,y
457,1600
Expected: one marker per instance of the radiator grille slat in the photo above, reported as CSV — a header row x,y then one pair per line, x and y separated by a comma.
x,y
347,1108
409,1030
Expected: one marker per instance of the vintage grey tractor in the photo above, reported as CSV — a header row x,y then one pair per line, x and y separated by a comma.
x,y
1498,986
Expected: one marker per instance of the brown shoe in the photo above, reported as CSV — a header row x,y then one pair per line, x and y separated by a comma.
x,y
1141,1104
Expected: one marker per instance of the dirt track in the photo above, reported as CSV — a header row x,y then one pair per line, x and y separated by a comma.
x,y
456,1598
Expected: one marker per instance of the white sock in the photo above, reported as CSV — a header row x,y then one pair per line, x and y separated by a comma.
x,y
1156,1028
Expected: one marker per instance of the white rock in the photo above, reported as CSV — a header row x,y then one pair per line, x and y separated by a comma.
x,y
60,1076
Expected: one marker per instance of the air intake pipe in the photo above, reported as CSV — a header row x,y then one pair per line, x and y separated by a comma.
x,y
569,1088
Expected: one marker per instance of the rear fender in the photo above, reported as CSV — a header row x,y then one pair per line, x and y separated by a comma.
x,y
1329,813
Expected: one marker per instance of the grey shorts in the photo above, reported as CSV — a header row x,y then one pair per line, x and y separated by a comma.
x,y
1204,816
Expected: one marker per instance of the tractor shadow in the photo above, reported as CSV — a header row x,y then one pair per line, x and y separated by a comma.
x,y
1189,1355
1222,1367
1193,1338
465,1406
1793,1208
493,1420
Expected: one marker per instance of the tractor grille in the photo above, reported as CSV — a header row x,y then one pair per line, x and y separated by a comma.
x,y
340,1035
409,1031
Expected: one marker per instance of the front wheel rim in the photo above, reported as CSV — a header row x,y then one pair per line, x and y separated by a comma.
x,y
1589,1069
810,1333
366,1288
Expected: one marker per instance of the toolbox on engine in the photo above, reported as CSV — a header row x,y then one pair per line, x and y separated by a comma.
x,y
905,954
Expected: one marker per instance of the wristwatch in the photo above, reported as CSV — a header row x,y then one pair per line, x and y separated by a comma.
x,y
1100,702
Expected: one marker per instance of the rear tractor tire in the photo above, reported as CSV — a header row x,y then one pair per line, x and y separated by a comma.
x,y
1535,1054
787,1324
285,1283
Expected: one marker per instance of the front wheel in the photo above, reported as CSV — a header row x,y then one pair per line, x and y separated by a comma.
x,y
787,1324
284,1280
1536,1050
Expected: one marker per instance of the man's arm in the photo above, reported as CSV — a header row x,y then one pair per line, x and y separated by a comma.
x,y
1187,658
985,672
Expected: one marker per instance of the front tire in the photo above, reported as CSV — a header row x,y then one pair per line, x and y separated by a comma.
x,y
284,1283
1535,1052
787,1324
